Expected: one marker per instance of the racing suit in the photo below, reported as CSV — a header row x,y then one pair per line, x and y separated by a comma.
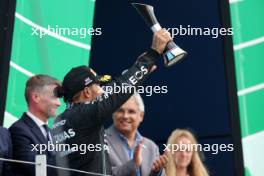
x,y
80,126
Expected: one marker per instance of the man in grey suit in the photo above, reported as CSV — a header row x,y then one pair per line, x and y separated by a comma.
x,y
130,153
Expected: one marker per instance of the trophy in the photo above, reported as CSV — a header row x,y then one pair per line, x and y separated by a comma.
x,y
172,52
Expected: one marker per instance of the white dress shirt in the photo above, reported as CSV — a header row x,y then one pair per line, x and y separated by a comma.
x,y
39,123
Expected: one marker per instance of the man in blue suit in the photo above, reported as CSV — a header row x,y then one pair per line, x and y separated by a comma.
x,y
31,130
5,152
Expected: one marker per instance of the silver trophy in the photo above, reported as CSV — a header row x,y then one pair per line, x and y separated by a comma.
x,y
172,52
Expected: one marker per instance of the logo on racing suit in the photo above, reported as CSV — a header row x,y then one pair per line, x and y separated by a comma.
x,y
138,75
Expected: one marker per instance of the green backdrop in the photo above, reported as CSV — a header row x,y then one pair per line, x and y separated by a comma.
x,y
53,54
247,21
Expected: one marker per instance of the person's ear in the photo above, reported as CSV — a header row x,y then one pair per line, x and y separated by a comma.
x,y
87,92
35,97
141,116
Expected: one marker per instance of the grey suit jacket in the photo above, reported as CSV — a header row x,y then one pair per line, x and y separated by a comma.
x,y
121,164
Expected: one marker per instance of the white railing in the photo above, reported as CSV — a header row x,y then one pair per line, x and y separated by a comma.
x,y
41,166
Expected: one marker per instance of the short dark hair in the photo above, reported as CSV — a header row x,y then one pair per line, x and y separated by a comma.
x,y
37,83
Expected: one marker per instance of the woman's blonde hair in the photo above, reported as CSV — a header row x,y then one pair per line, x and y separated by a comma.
x,y
196,167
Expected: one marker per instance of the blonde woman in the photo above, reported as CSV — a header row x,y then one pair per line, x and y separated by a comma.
x,y
184,159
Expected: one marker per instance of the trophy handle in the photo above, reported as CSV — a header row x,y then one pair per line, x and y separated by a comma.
x,y
172,54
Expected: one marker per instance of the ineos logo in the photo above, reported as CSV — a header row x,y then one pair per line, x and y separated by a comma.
x,y
138,75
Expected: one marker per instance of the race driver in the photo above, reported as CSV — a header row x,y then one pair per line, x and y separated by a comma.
x,y
80,127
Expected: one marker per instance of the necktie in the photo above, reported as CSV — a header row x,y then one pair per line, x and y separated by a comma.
x,y
47,132
49,139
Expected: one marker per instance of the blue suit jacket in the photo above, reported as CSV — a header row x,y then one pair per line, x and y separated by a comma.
x,y
24,133
5,151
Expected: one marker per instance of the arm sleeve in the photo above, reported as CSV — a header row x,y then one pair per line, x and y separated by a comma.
x,y
108,102
161,172
7,171
22,150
